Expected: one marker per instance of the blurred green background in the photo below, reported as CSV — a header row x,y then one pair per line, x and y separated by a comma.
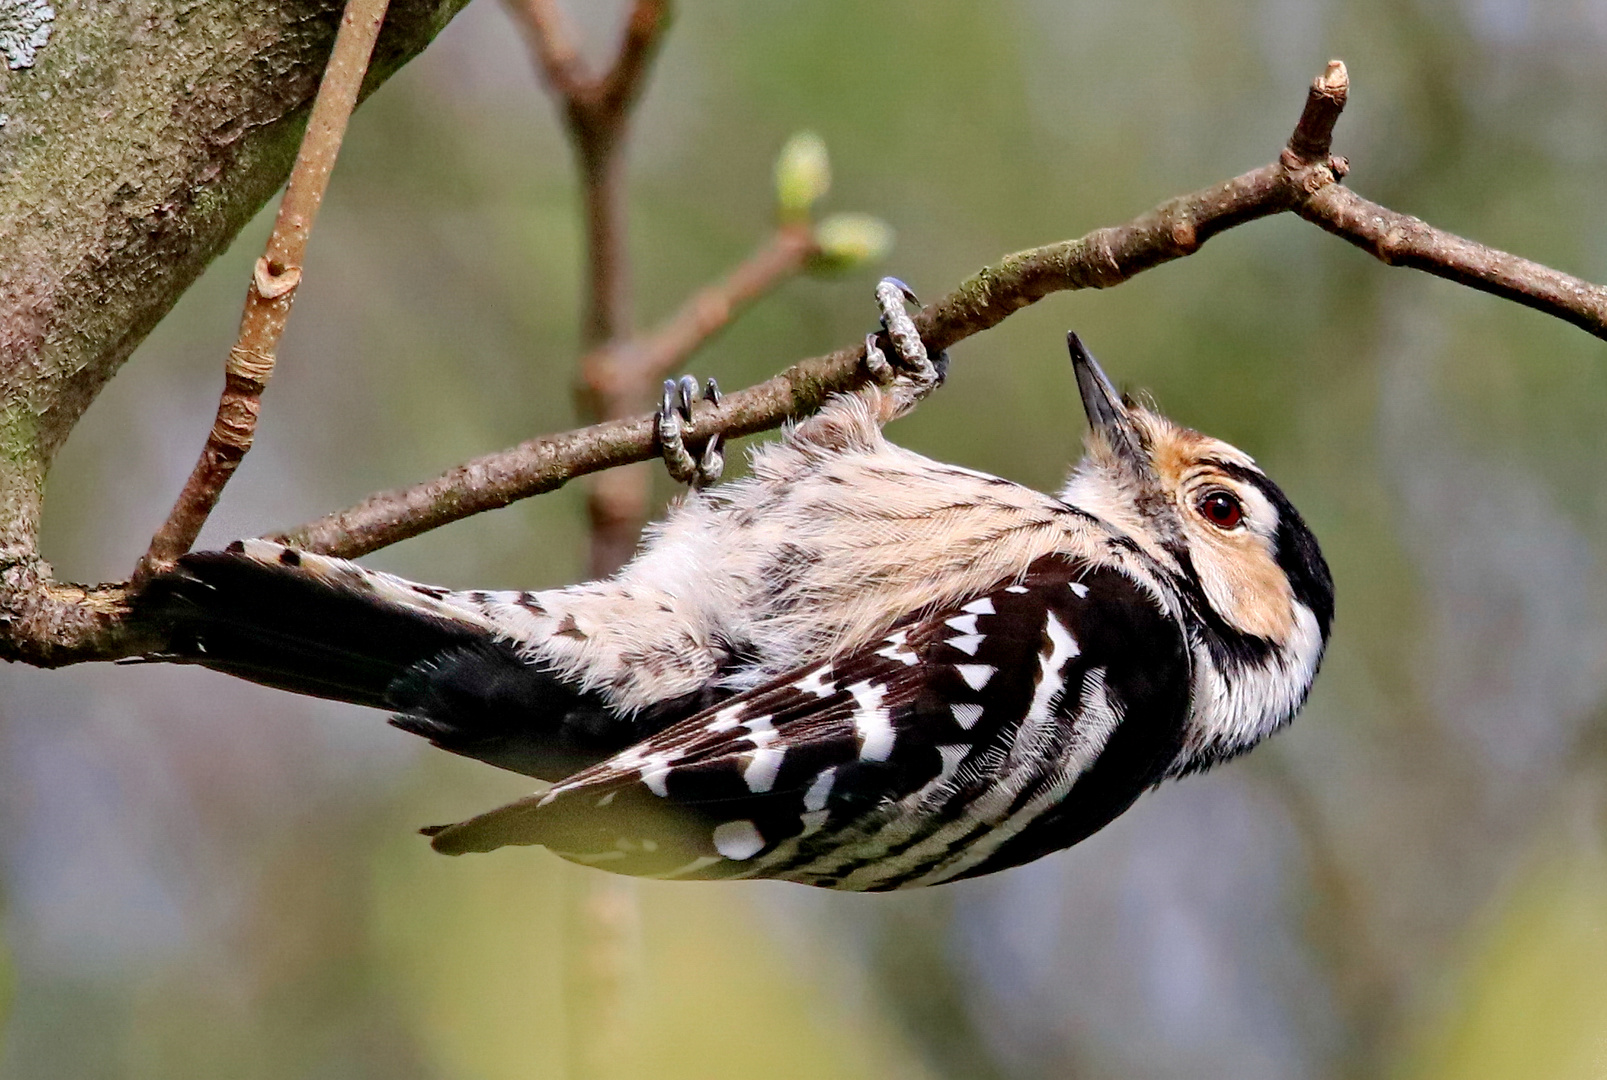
x,y
206,878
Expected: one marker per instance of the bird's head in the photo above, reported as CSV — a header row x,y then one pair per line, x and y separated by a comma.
x,y
1238,550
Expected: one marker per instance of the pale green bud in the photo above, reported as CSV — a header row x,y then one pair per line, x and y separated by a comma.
x,y
848,241
803,176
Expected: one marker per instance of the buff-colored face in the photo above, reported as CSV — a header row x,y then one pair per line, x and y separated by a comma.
x,y
1229,525
1260,593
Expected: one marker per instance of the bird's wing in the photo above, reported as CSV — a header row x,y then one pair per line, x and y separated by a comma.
x,y
966,740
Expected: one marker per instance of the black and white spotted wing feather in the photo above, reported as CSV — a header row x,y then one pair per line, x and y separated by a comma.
x,y
963,742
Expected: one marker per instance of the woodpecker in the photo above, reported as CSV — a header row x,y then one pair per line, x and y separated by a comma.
x,y
856,668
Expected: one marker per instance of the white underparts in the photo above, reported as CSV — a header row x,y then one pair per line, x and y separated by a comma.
x,y
1233,713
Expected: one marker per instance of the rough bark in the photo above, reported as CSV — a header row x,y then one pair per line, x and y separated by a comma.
x,y
137,141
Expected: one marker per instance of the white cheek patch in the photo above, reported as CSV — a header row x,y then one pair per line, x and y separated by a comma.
x,y
1239,712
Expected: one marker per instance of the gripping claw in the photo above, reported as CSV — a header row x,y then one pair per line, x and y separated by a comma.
x,y
910,359
674,413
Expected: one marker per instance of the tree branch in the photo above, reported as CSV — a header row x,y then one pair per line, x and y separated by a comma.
x,y
272,288
1401,240
1304,179
1102,258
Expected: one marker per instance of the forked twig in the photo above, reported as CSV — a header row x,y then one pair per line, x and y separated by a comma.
x,y
597,110
661,351
272,288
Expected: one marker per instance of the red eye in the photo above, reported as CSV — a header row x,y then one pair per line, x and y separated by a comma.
x,y
1222,510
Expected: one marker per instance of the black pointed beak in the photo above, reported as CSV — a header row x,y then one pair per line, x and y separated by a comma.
x,y
1107,416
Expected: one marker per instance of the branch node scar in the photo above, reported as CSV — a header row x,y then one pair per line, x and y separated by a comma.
x,y
273,279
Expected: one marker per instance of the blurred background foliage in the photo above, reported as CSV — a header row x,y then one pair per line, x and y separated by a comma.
x,y
204,878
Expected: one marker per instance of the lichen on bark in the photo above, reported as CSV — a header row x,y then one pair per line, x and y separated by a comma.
x,y
24,30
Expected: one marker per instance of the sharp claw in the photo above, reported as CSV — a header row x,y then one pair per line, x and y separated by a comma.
x,y
909,293
713,462
688,394
675,411
671,446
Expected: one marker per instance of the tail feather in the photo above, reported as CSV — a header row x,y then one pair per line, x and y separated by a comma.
x,y
274,616
330,629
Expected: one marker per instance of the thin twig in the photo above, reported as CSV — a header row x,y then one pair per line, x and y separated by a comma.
x,y
618,90
1401,240
613,370
1304,179
273,286
547,32
1314,131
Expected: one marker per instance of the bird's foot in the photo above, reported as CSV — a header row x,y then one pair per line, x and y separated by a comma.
x,y
674,412
923,373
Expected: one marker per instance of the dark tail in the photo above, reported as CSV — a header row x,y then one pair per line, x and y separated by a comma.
x,y
277,618
328,628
